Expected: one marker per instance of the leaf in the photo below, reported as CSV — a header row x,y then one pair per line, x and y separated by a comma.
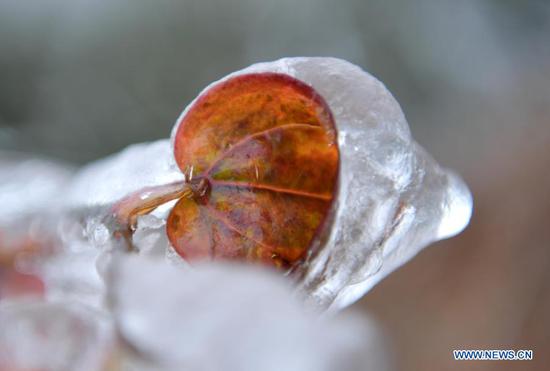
x,y
261,152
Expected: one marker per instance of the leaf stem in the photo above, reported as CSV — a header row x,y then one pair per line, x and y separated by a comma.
x,y
127,210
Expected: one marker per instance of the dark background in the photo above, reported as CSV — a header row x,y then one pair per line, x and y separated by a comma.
x,y
82,79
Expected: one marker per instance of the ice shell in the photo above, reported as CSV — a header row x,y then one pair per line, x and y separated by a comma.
x,y
232,318
53,336
393,199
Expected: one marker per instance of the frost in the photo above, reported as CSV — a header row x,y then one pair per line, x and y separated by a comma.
x,y
232,318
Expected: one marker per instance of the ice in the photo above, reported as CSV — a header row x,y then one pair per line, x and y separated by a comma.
x,y
231,317
39,235
53,336
72,275
29,186
393,198
150,237
106,181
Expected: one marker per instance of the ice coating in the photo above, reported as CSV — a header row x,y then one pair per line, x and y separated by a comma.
x,y
393,199
249,320
108,180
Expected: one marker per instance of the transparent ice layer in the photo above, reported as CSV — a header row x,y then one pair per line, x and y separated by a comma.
x,y
393,199
230,317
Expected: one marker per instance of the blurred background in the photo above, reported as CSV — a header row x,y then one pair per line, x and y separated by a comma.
x,y
82,79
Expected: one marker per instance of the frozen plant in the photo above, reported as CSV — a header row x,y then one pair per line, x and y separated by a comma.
x,y
391,200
